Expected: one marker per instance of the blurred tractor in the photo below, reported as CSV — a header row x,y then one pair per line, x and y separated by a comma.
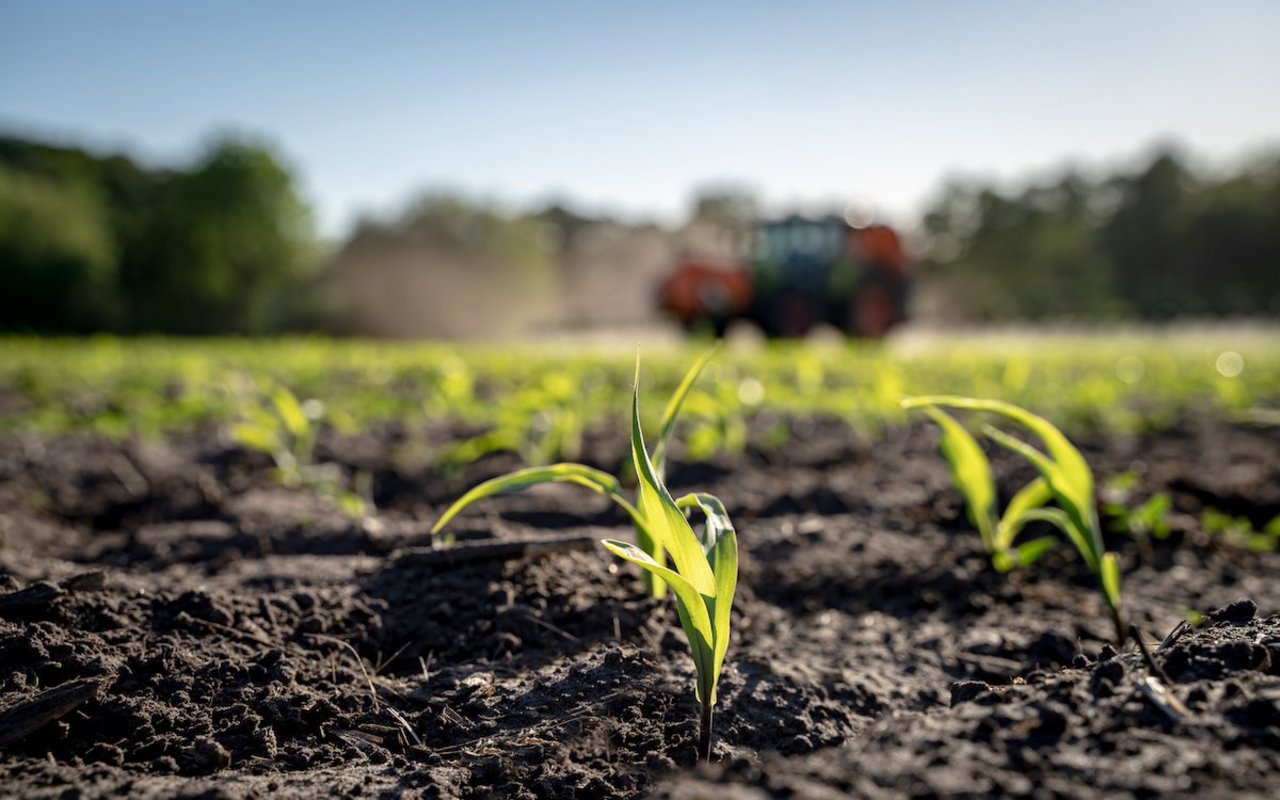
x,y
802,271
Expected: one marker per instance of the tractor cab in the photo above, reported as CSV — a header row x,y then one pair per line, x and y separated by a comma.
x,y
796,264
798,251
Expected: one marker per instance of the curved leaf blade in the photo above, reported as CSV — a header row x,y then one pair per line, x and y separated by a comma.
x,y
721,542
1073,482
717,522
1109,577
1081,514
692,605
290,412
579,474
724,557
665,521
655,588
970,472
672,411
1029,552
1034,495
1062,521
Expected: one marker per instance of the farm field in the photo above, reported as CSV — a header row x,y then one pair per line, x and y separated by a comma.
x,y
217,577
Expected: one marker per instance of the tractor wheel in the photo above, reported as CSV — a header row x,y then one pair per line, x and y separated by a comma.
x,y
791,316
873,311
703,326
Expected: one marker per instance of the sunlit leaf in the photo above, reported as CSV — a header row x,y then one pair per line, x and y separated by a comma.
x,y
578,474
256,437
663,519
672,412
1033,495
971,473
1030,551
1081,516
291,414
716,522
724,562
1110,576
694,617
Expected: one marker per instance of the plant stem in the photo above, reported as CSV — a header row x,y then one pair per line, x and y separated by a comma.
x,y
704,734
1122,633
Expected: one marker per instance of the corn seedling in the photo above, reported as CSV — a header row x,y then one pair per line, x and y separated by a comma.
x,y
705,576
1148,519
286,429
1064,475
971,473
282,429
720,424
1239,530
595,480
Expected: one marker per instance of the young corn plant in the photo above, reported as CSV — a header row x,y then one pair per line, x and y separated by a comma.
x,y
595,480
1064,477
971,473
286,430
704,577
283,429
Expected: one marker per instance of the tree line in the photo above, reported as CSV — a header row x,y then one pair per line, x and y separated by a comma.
x,y
102,243
1158,242
225,244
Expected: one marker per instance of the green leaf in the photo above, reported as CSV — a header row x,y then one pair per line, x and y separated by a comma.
x,y
1109,576
1067,473
290,412
1060,449
672,411
1083,518
690,603
721,544
1029,552
664,520
971,473
724,562
655,588
1061,520
256,437
1033,495
579,474
717,519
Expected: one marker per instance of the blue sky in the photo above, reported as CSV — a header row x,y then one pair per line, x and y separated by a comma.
x,y
626,107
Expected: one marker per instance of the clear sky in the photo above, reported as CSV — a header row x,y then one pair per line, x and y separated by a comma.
x,y
626,107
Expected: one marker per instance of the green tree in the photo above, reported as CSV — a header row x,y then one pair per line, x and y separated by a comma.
x,y
1145,235
222,247
1156,243
1035,255
90,242
57,256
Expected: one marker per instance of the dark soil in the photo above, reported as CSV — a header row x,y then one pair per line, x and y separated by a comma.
x,y
174,624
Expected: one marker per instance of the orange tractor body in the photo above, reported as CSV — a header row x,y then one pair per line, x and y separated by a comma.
x,y
802,271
